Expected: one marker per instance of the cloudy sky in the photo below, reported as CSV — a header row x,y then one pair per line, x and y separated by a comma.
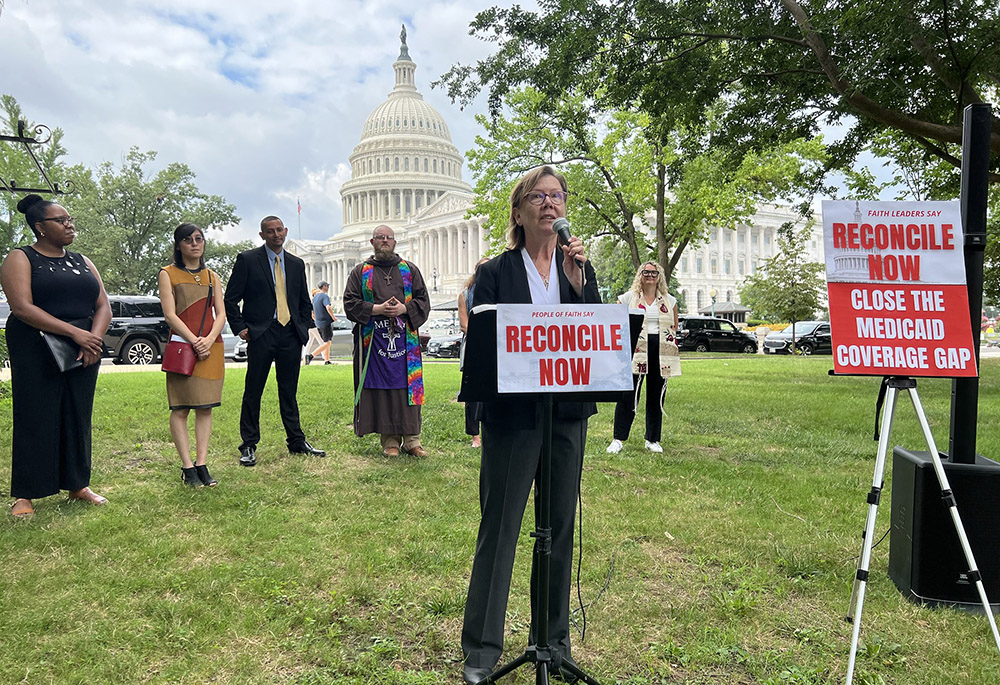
x,y
263,100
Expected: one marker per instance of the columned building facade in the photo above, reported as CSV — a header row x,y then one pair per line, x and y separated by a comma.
x,y
407,174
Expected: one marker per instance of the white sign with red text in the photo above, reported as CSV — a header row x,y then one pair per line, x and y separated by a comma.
x,y
895,276
563,348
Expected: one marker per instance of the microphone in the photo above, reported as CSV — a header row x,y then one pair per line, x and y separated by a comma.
x,y
561,227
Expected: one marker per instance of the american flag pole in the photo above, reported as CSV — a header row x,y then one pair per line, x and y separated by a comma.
x,y
298,206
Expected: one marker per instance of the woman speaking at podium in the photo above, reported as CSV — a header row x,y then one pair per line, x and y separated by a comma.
x,y
535,269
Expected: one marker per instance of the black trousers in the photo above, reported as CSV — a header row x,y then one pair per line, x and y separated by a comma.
x,y
625,407
471,422
510,466
50,445
280,345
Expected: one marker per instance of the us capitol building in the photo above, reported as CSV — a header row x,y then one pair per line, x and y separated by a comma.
x,y
407,174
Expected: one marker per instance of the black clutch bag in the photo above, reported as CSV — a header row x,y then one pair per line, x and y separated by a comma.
x,y
64,350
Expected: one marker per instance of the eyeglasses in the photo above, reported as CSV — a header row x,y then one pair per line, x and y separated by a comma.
x,y
193,240
384,238
536,197
648,272
64,220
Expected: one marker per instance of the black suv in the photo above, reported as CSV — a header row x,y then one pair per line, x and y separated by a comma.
x,y
810,337
712,334
138,333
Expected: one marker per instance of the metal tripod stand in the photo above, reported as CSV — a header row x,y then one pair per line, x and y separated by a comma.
x,y
541,654
895,384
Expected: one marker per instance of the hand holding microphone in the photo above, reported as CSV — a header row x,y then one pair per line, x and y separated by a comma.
x,y
561,227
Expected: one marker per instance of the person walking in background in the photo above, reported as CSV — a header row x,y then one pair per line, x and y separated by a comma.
x,y
654,359
534,270
274,319
387,300
324,318
314,341
55,296
465,306
191,296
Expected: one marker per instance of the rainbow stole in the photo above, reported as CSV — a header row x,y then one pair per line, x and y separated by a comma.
x,y
414,365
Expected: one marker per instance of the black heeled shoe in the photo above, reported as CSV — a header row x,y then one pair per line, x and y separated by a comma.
x,y
189,476
205,476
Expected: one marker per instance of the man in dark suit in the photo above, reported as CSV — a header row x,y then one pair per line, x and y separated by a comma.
x,y
275,327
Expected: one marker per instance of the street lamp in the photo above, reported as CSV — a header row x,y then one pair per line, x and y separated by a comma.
x,y
434,277
712,293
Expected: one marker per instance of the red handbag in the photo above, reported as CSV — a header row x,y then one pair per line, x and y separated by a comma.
x,y
179,356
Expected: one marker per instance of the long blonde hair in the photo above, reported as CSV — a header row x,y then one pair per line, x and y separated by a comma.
x,y
515,232
661,280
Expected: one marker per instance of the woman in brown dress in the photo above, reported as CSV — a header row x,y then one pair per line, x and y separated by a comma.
x,y
193,307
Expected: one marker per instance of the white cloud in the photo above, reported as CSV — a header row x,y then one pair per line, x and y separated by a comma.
x,y
264,102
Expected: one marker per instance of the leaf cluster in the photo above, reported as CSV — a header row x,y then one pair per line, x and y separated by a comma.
x,y
127,215
786,287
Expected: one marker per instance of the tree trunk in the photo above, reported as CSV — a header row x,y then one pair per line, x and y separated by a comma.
x,y
661,238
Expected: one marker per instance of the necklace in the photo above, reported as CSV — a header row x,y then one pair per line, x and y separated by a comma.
x,y
387,275
196,273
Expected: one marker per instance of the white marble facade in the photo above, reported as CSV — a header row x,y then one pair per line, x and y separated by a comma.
x,y
406,174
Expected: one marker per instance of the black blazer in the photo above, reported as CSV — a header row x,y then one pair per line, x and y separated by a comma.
x,y
252,284
503,280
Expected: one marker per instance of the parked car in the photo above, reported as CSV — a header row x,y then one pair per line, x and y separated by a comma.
x,y
229,342
811,337
445,346
713,334
4,313
138,333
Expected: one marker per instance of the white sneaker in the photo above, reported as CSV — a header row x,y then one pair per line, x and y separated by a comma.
x,y
615,447
653,447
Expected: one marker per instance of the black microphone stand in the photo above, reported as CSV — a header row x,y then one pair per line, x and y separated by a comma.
x,y
546,659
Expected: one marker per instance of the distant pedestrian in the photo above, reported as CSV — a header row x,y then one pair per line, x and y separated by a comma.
x,y
324,317
191,295
314,341
654,359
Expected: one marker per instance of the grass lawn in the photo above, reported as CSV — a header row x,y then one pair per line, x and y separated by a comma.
x,y
727,559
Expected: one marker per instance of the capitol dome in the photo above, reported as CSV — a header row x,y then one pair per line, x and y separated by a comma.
x,y
405,160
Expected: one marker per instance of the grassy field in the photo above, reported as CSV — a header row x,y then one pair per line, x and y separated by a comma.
x,y
727,559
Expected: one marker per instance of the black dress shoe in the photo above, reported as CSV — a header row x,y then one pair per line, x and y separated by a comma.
x,y
248,456
475,674
189,476
305,448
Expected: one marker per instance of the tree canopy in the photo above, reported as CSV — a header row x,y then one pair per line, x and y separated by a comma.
x,y
783,67
126,217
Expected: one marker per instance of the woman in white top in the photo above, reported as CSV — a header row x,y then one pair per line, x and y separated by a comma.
x,y
655,357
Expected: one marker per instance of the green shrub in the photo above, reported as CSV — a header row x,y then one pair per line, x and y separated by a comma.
x,y
4,358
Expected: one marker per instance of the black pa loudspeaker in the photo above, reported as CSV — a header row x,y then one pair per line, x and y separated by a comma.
x,y
926,561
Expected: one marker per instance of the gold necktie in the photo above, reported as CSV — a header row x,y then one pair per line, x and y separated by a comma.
x,y
279,293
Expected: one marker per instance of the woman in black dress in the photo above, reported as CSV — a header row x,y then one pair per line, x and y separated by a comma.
x,y
52,291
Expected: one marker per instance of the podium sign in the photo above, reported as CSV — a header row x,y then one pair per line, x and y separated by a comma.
x,y
896,281
563,348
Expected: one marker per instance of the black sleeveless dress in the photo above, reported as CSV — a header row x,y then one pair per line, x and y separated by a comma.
x,y
50,449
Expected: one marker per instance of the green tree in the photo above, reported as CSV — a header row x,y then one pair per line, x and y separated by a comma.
x,y
786,287
126,217
784,68
16,166
653,191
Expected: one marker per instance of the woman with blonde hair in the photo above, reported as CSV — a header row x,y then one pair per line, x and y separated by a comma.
x,y
535,270
654,359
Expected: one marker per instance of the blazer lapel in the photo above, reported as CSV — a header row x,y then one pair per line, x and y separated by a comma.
x,y
265,265
520,292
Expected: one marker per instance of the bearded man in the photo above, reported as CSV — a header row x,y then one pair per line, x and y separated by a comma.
x,y
387,300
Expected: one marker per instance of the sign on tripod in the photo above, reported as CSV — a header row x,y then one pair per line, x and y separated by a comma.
x,y
895,276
